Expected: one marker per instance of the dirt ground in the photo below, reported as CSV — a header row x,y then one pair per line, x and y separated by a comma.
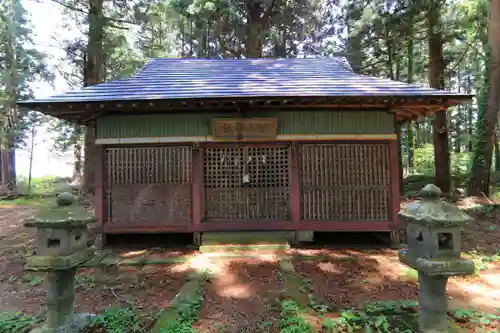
x,y
246,294
253,287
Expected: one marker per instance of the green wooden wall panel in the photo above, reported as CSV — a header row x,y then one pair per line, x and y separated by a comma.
x,y
327,122
289,122
153,126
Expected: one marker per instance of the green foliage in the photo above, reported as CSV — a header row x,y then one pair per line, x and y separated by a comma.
x,y
317,307
475,317
15,322
383,317
86,282
399,317
483,262
484,211
290,319
39,185
118,320
32,279
22,64
187,314
424,161
411,273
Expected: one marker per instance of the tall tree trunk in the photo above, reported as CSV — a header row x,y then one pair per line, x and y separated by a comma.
x,y
354,41
10,113
418,134
481,165
469,116
77,159
497,153
458,118
409,128
436,80
256,20
94,74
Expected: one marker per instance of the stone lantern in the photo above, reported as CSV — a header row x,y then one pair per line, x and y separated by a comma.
x,y
61,245
434,230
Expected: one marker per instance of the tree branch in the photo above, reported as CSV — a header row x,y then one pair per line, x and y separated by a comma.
x,y
480,52
111,25
65,5
234,52
61,3
460,58
120,21
267,13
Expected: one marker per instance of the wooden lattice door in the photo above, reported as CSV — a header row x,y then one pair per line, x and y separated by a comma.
x,y
345,182
148,185
246,183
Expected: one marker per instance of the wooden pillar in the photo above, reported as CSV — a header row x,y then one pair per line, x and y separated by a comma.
x,y
395,186
395,190
294,184
196,187
98,200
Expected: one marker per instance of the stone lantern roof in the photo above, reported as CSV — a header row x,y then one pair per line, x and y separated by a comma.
x,y
433,212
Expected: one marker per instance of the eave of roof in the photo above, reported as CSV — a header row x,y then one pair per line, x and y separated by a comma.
x,y
405,107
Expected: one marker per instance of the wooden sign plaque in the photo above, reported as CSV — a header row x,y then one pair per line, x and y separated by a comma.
x,y
244,129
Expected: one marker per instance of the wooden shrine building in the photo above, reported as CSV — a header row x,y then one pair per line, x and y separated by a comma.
x,y
194,145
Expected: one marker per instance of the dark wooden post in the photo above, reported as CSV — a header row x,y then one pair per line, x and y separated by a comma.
x,y
395,188
294,184
196,187
98,200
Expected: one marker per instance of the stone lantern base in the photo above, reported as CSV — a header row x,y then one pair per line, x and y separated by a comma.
x,y
59,302
76,323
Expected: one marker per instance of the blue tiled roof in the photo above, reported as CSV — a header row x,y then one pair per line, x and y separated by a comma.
x,y
165,79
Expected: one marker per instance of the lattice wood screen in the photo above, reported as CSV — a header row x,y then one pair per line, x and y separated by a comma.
x,y
148,185
347,182
246,183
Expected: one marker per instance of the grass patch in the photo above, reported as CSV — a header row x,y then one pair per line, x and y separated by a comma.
x,y
402,317
32,279
410,273
475,317
30,201
291,320
187,315
484,211
116,320
395,316
41,185
482,262
15,322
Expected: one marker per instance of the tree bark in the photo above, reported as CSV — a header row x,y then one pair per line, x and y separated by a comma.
x,y
409,79
257,20
93,74
436,80
479,183
77,164
497,153
10,115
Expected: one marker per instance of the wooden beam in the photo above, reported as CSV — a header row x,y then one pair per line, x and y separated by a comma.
x,y
280,137
403,113
367,226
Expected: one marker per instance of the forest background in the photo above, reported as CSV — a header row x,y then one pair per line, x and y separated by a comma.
x,y
50,46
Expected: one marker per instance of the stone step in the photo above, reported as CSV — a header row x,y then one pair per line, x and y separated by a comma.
x,y
246,237
244,248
